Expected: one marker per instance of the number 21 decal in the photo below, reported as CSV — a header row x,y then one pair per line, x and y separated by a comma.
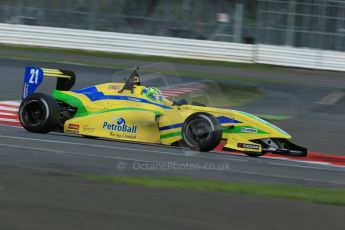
x,y
33,76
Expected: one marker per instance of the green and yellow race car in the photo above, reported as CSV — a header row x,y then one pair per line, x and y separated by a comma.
x,y
129,111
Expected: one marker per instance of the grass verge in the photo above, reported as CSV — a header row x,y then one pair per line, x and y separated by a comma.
x,y
148,58
307,194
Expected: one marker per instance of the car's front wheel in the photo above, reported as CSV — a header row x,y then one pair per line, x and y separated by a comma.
x,y
39,113
202,132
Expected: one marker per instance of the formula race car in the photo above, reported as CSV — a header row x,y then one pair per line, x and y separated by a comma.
x,y
129,111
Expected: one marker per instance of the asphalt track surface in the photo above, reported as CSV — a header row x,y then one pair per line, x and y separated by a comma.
x,y
38,189
34,200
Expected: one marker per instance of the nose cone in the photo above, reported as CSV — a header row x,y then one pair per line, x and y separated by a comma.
x,y
276,131
265,125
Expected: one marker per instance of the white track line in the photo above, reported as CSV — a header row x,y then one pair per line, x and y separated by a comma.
x,y
75,153
154,151
141,160
85,144
183,152
301,166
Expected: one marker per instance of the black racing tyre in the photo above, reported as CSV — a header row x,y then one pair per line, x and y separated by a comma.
x,y
39,113
202,132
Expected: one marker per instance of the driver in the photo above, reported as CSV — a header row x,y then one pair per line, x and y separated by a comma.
x,y
154,94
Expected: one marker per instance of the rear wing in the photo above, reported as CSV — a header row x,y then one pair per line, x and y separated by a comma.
x,y
34,77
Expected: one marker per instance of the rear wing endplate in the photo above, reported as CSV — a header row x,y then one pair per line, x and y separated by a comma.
x,y
34,77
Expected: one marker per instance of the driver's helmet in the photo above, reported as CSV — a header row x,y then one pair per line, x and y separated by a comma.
x,y
153,94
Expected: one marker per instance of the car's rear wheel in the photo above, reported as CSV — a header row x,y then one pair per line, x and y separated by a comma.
x,y
202,132
39,113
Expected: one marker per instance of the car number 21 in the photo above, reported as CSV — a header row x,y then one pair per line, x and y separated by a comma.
x,y
33,76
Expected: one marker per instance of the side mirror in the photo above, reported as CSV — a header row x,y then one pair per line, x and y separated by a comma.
x,y
180,102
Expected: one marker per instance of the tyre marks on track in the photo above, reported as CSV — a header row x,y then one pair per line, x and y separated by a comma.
x,y
332,98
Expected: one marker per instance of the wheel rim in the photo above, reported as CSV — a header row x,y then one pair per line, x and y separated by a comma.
x,y
34,112
198,130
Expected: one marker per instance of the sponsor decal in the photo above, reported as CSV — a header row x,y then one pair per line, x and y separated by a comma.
x,y
120,126
248,130
248,146
114,87
72,131
73,126
265,122
26,90
87,128
123,135
121,121
32,79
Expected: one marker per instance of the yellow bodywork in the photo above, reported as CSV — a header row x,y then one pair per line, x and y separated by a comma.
x,y
130,116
